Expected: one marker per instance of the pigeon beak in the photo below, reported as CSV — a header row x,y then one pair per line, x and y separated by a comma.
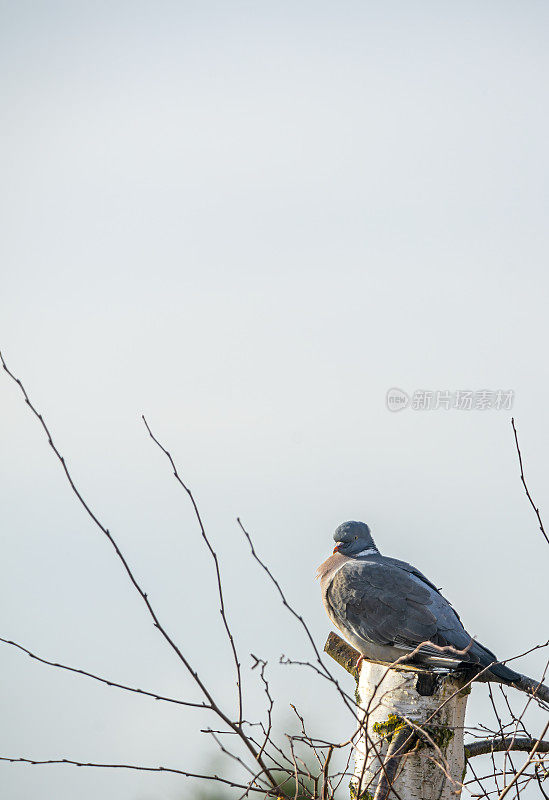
x,y
336,549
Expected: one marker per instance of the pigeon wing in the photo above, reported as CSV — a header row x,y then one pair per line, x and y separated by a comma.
x,y
389,605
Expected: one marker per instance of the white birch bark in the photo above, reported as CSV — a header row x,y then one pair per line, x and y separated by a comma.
x,y
388,698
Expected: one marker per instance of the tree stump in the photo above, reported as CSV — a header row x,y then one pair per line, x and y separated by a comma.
x,y
411,743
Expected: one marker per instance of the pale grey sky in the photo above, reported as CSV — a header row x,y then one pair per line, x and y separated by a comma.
x,y
248,221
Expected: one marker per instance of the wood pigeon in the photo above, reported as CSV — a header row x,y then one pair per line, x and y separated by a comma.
x,y
385,608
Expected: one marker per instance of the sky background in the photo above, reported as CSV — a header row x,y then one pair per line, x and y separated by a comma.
x,y
248,221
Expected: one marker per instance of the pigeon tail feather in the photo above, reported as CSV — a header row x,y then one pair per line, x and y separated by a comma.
x,y
486,657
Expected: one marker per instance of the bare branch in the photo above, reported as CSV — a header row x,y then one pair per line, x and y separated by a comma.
x,y
523,479
325,782
325,671
270,700
139,767
154,695
523,745
216,564
227,752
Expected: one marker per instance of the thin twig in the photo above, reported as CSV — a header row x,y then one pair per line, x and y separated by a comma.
x,y
216,564
140,768
326,672
325,783
108,682
270,701
523,479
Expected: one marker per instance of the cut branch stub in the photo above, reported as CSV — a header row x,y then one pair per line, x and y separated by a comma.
x,y
345,655
420,710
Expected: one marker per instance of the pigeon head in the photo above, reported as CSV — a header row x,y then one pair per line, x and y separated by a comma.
x,y
352,538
